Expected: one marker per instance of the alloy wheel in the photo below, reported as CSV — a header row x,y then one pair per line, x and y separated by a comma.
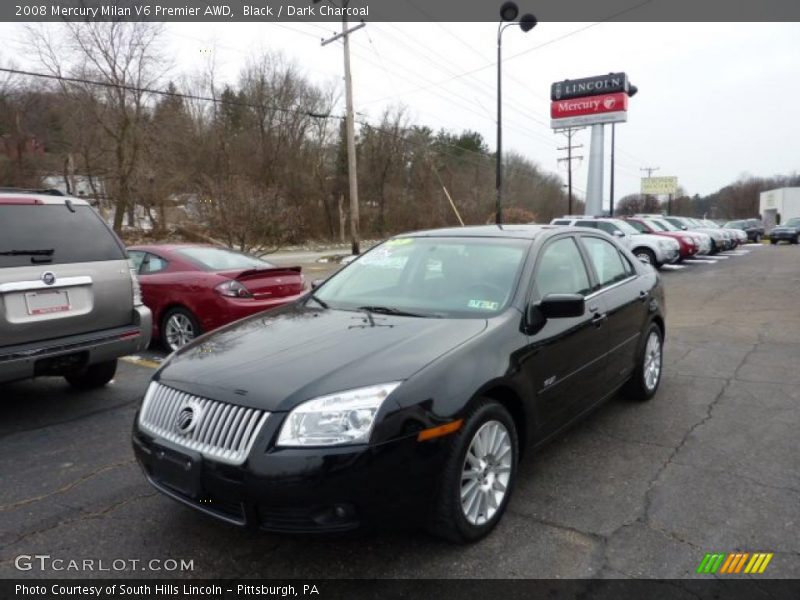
x,y
486,472
652,361
179,331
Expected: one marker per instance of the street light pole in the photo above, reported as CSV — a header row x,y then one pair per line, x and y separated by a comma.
x,y
508,12
498,179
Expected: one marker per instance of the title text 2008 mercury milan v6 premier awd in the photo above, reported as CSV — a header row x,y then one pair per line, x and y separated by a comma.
x,y
404,388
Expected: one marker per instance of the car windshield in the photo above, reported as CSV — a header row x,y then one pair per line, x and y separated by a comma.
x,y
655,225
222,259
430,276
709,224
735,225
626,227
794,222
666,225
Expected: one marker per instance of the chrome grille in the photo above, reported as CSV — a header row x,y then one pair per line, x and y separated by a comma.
x,y
217,430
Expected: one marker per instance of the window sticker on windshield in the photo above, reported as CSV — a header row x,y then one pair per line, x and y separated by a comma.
x,y
400,242
483,304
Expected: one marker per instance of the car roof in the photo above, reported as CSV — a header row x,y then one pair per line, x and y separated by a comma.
x,y
25,197
518,231
168,247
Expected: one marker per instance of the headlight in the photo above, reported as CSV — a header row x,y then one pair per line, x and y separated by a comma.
x,y
341,418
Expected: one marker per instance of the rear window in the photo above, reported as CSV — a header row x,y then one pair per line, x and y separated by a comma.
x,y
222,259
51,234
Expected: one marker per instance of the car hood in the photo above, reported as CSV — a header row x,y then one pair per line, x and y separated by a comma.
x,y
279,359
784,228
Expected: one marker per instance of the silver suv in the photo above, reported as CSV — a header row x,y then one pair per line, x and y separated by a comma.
x,y
69,302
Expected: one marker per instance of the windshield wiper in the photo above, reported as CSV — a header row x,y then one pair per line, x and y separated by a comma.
x,y
48,252
390,310
322,303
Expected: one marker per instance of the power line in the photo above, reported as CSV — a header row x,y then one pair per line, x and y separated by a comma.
x,y
108,84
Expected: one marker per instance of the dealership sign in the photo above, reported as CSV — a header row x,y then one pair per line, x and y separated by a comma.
x,y
589,86
659,185
590,105
589,101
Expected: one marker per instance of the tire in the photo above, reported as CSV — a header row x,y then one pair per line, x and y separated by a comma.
x,y
643,385
773,242
93,376
646,255
757,239
795,239
449,517
178,327
714,248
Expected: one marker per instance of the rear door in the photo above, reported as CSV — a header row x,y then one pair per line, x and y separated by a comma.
x,y
62,272
626,301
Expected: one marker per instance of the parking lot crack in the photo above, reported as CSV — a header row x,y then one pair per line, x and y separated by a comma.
x,y
83,517
65,488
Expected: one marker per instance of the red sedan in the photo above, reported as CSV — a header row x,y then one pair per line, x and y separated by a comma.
x,y
194,288
688,245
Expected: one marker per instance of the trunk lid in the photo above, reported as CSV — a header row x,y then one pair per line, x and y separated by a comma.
x,y
271,282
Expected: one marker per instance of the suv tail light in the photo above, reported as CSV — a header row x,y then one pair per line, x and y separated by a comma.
x,y
137,289
233,289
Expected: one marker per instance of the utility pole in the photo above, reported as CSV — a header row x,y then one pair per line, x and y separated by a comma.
x,y
611,191
569,133
649,171
352,172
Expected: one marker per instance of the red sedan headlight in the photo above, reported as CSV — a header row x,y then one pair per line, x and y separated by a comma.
x,y
233,289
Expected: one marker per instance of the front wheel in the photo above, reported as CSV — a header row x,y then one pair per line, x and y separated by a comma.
x,y
479,475
93,376
795,239
647,256
757,239
773,242
647,372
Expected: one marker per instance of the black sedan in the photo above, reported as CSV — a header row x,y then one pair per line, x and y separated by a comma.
x,y
752,227
787,232
405,388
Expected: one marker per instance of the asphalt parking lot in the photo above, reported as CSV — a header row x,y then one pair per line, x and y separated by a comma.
x,y
709,465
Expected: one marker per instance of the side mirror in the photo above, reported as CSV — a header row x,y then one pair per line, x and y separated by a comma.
x,y
562,306
619,234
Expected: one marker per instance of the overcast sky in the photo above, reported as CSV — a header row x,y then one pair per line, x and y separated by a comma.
x,y
715,100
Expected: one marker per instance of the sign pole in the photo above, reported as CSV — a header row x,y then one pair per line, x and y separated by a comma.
x,y
594,182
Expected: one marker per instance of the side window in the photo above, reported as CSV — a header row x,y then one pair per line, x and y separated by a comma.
x,y
607,227
592,224
153,264
561,270
609,265
136,257
560,222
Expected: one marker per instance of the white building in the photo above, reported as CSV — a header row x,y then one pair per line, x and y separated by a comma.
x,y
776,206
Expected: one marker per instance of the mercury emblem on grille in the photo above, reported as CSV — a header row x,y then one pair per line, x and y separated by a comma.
x,y
188,417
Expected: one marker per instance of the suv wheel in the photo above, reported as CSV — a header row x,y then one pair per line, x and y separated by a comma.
x,y
649,366
178,327
646,255
93,376
479,475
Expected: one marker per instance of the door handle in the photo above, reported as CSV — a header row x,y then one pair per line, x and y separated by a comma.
x,y
598,318
643,295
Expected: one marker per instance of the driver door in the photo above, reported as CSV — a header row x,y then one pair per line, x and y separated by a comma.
x,y
565,361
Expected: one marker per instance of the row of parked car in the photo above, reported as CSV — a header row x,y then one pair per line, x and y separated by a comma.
x,y
660,240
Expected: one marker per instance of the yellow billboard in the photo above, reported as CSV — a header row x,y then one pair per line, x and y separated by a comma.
x,y
659,185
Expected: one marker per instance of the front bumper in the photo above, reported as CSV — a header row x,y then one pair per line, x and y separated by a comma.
x,y
668,256
303,490
784,236
51,357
